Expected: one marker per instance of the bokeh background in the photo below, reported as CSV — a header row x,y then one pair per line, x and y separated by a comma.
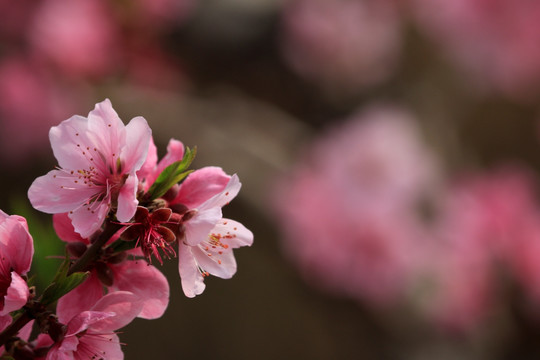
x,y
388,151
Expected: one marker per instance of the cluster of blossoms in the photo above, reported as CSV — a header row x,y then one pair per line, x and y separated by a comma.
x,y
119,210
376,220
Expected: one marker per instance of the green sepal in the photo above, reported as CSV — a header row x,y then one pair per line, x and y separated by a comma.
x,y
172,175
62,283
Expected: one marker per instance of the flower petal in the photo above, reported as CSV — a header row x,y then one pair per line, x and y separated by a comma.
x,y
191,277
17,294
59,191
105,130
200,225
64,139
149,164
233,234
85,221
220,265
16,243
107,345
201,185
82,298
225,196
146,282
84,320
127,199
64,229
124,304
138,136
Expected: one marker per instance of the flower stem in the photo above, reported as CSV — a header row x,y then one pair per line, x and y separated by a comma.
x,y
90,254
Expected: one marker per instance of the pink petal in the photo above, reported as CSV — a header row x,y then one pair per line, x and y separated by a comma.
x,y
83,321
64,229
200,225
191,277
106,131
175,152
201,185
124,304
16,244
233,233
149,164
225,268
225,196
87,222
64,350
17,294
57,192
43,340
82,298
25,332
106,345
147,283
64,140
138,136
127,199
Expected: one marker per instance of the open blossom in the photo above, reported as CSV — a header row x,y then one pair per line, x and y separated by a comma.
x,y
114,273
16,251
98,161
90,333
205,239
209,239
349,212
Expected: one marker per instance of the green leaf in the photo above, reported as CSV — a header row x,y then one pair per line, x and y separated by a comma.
x,y
62,284
172,175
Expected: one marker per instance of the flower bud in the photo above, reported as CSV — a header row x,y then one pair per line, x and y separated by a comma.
x,y
179,208
171,194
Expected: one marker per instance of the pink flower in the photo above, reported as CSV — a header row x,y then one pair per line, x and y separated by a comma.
x,y
342,44
213,255
485,223
205,240
30,98
80,37
99,157
495,42
16,251
349,211
91,333
115,273
209,239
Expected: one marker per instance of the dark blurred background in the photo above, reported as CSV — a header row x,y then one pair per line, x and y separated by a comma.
x,y
268,89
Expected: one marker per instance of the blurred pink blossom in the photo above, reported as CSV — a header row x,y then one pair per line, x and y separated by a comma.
x,y
495,41
350,212
29,99
80,37
488,224
342,44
